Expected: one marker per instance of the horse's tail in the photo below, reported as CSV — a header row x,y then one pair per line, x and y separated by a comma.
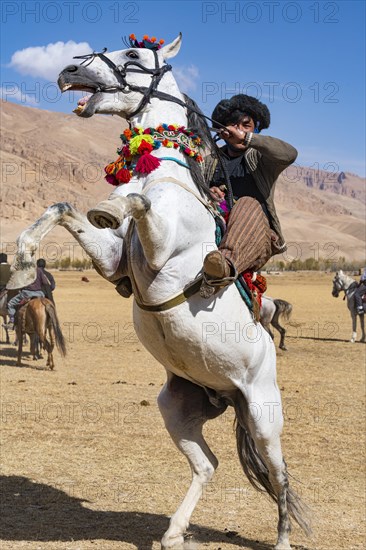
x,y
60,340
283,308
256,470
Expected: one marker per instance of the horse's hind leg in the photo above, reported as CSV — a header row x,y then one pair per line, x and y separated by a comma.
x,y
33,346
258,439
275,323
362,323
266,327
20,345
49,348
185,408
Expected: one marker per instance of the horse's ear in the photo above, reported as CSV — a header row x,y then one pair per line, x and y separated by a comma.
x,y
340,272
171,50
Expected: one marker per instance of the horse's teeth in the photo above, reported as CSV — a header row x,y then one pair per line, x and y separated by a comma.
x,y
79,109
66,87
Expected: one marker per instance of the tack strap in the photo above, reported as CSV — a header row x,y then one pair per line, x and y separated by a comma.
x,y
174,301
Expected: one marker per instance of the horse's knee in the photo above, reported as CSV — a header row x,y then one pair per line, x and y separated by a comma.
x,y
60,208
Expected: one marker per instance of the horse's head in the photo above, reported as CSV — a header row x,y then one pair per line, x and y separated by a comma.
x,y
338,283
121,82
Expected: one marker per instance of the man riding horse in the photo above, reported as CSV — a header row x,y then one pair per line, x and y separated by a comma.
x,y
360,292
34,290
253,163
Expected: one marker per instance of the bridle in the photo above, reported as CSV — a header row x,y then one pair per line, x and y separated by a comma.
x,y
120,71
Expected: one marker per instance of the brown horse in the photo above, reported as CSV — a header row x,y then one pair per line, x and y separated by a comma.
x,y
35,318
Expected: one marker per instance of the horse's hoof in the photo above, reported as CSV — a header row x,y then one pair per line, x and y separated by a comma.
x,y
172,543
283,348
282,546
107,214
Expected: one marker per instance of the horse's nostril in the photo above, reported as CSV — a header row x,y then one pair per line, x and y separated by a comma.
x,y
71,68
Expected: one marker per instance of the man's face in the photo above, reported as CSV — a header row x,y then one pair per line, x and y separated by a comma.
x,y
234,134
245,124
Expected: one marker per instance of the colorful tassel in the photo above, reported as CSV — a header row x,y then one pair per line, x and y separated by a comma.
x,y
110,178
147,163
123,175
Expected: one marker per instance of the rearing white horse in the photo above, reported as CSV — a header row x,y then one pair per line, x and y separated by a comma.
x,y
214,354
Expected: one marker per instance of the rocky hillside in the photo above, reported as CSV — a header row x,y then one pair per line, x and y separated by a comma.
x,y
49,157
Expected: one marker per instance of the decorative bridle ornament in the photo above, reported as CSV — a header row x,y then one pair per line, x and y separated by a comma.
x,y
146,42
135,156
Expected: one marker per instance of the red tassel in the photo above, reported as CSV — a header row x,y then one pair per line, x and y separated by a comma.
x,y
147,163
110,178
123,175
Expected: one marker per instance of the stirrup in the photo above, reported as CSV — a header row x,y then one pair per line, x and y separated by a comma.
x,y
209,286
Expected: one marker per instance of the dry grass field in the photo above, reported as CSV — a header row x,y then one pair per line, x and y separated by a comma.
x,y
86,462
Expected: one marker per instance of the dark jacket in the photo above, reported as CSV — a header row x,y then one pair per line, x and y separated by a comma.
x,y
49,287
40,282
4,274
265,159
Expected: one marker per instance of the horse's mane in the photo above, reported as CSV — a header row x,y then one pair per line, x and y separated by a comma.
x,y
199,125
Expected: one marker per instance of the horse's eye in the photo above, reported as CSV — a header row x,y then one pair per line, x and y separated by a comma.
x,y
132,55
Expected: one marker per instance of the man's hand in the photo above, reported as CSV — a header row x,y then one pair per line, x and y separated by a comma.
x,y
234,136
217,193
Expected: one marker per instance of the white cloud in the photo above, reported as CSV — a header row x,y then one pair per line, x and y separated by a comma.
x,y
47,61
186,77
15,93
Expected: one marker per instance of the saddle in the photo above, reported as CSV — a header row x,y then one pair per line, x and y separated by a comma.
x,y
24,301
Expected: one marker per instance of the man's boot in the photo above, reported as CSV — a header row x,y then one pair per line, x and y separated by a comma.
x,y
218,272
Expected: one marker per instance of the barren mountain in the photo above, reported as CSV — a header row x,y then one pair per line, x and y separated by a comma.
x,y
49,157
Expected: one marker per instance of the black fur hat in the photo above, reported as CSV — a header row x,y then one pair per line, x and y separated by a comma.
x,y
230,111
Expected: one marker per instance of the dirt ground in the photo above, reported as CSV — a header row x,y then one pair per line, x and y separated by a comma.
x,y
86,462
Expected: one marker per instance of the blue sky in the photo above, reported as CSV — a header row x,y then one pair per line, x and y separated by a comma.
x,y
304,59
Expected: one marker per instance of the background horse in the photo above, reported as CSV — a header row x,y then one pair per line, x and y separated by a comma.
x,y
157,229
270,313
38,318
345,283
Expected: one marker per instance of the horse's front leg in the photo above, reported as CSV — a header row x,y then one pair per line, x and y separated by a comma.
x,y
354,327
154,231
103,246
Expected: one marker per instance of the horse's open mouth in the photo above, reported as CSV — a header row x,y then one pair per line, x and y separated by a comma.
x,y
87,104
